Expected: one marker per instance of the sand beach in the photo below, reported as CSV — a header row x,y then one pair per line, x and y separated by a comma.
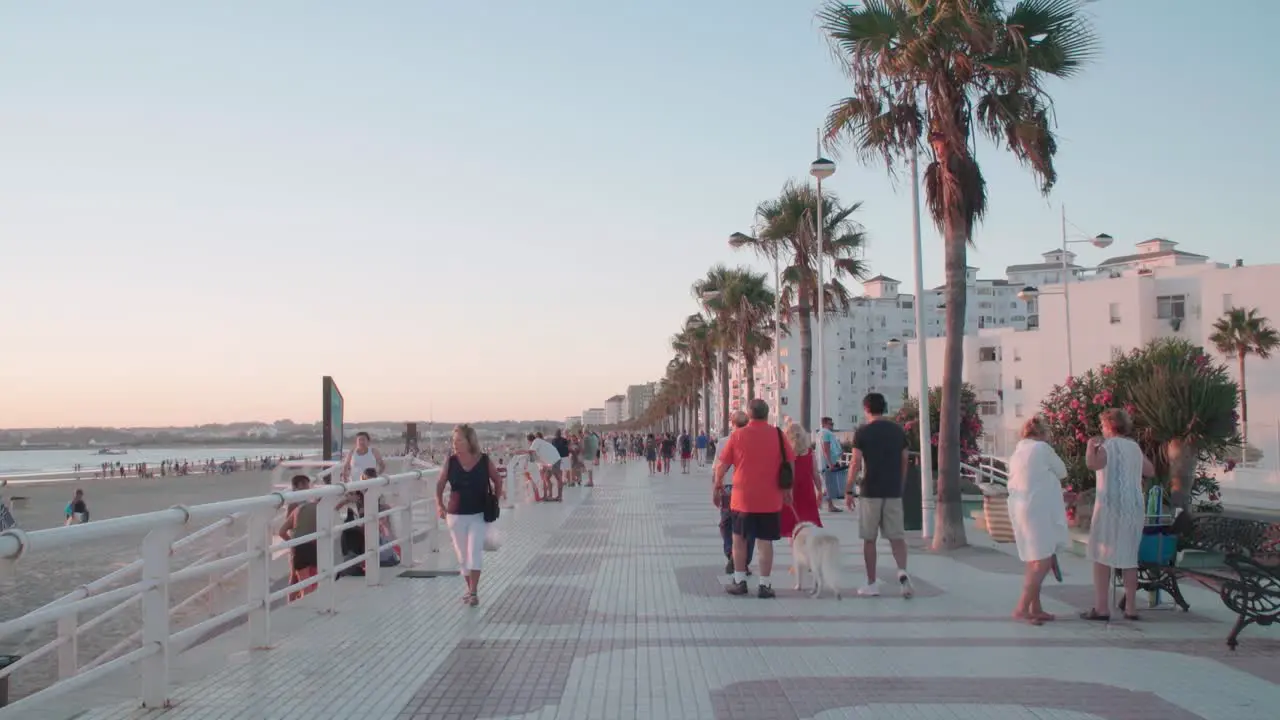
x,y
43,577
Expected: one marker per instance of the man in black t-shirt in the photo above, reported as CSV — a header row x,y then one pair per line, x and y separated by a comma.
x,y
880,446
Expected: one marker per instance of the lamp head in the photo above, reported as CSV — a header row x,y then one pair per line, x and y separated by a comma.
x,y
893,343
1102,241
1028,293
822,168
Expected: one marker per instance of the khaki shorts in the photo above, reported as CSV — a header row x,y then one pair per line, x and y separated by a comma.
x,y
881,517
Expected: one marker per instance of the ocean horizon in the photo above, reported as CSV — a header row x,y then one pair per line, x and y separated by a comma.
x,y
20,463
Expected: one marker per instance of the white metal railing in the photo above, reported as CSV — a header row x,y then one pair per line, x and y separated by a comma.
x,y
985,470
222,541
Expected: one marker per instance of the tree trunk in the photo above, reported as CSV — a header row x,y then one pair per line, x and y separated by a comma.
x,y
806,363
724,390
751,378
706,402
949,528
1244,415
1182,469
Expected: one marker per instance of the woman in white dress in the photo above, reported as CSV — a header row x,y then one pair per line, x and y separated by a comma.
x,y
1118,512
1038,514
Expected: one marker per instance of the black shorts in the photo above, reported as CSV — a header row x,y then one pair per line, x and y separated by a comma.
x,y
761,526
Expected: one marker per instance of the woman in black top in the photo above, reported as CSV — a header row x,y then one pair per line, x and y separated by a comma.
x,y
471,478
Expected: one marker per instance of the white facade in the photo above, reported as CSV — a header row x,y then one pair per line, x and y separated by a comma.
x,y
593,417
638,399
613,409
859,359
572,420
1127,302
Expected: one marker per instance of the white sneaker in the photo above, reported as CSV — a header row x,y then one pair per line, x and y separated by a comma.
x,y
870,590
905,581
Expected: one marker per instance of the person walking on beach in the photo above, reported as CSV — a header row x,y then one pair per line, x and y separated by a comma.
x,y
363,457
300,522
77,511
830,460
881,447
757,454
591,455
720,497
548,459
471,478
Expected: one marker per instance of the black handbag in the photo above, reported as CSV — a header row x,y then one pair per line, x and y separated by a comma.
x,y
491,508
786,473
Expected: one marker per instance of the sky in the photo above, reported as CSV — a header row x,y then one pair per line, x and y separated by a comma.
x,y
466,210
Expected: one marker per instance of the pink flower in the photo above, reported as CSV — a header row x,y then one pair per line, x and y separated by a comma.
x,y
1075,403
1213,497
1106,370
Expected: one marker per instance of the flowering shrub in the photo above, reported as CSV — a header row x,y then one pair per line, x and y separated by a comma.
x,y
970,422
1071,411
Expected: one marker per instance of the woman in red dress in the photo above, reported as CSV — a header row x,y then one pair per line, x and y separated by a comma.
x,y
807,487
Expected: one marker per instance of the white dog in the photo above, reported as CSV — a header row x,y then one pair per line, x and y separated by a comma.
x,y
818,551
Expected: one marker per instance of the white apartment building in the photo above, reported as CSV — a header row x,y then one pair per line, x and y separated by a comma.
x,y
613,409
1121,304
857,346
572,420
638,399
593,417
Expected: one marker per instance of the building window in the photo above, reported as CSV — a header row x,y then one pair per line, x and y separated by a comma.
x,y
1116,352
985,305
982,321
906,304
1226,302
987,408
1033,322
1017,411
1114,310
1017,355
987,354
1017,383
784,397
1171,306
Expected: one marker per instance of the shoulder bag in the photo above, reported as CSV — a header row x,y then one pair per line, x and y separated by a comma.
x,y
491,508
786,473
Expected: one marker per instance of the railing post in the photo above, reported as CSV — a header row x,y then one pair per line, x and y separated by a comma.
x,y
407,495
214,599
68,651
259,582
372,568
326,511
156,550
434,535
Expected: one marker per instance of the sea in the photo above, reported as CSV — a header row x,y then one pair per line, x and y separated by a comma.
x,y
17,463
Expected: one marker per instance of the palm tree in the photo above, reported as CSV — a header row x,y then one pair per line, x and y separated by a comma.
x,y
1239,333
717,292
787,233
751,322
695,344
940,70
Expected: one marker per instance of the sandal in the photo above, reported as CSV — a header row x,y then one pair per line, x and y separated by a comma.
x,y
1132,618
1092,614
475,600
466,598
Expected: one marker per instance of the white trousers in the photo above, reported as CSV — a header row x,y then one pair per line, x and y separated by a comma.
x,y
468,533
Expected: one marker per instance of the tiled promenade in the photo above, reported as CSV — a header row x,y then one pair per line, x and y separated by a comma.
x,y
612,606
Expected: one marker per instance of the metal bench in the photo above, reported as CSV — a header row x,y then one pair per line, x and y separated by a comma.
x,y
1223,554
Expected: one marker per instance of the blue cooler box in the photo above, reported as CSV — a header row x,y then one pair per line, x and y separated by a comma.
x,y
1158,546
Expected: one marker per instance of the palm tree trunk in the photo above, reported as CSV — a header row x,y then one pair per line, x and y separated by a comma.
x,y
950,514
1244,414
751,377
806,363
724,390
706,401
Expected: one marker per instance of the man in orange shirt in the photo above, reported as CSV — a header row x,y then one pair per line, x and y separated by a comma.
x,y
756,452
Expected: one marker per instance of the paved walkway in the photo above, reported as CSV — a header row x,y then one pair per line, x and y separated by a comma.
x,y
612,606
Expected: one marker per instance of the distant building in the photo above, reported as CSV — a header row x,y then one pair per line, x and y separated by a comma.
x,y
638,399
593,417
613,409
572,420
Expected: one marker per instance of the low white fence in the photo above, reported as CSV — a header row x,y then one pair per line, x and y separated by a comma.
x,y
213,544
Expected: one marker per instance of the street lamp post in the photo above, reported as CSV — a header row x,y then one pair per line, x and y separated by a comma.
x,y
1029,293
820,169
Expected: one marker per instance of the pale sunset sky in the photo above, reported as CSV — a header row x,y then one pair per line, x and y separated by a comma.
x,y
496,209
